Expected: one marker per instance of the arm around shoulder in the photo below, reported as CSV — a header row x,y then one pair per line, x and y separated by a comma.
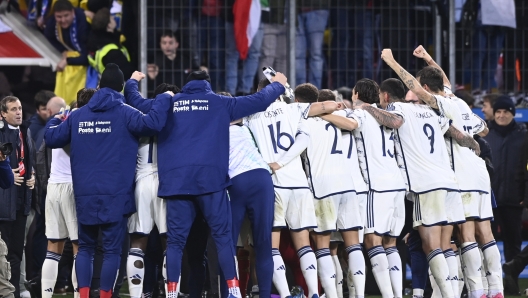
x,y
153,122
58,134
240,107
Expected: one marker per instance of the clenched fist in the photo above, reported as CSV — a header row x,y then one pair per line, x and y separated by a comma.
x,y
138,76
420,52
386,55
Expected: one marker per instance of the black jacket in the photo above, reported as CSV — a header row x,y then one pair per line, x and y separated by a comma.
x,y
42,174
522,174
9,197
506,148
98,39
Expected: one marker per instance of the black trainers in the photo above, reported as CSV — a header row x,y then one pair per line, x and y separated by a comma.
x,y
511,278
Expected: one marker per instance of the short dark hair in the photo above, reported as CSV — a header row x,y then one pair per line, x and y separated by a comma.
x,y
465,96
224,93
326,94
432,77
491,98
306,93
62,5
5,101
101,19
164,87
394,88
345,92
42,97
168,33
84,95
263,83
367,90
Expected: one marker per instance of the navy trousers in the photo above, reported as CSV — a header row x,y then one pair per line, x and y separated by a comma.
x,y
252,192
113,236
181,212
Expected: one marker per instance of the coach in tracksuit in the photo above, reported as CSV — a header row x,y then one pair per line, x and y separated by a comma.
x,y
104,138
193,159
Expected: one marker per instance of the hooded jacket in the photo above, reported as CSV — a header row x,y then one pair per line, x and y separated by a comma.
x,y
193,147
104,138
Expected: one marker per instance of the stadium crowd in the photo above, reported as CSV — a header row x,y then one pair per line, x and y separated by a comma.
x,y
191,178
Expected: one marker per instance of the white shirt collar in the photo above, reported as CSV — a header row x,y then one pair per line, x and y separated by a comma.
x,y
13,127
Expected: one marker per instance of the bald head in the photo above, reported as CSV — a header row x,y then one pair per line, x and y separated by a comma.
x,y
55,104
411,97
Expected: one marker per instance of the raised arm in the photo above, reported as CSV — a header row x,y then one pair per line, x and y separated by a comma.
x,y
463,139
153,122
132,95
58,133
409,80
340,121
242,106
420,52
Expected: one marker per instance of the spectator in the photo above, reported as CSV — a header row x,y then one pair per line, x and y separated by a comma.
x,y
312,19
505,138
273,50
211,40
104,45
16,201
250,60
52,108
68,32
488,39
171,66
104,199
513,268
487,106
38,120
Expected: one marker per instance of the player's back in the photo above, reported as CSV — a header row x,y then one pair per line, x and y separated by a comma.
x,y
469,169
147,158
376,156
326,153
274,131
420,142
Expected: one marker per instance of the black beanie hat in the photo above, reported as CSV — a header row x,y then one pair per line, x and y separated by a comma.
x,y
198,76
504,102
112,78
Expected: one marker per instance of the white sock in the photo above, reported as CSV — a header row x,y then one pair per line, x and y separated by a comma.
x,y
452,264
309,269
356,269
440,272
473,265
395,266
380,269
76,293
279,274
326,271
350,284
492,260
339,276
50,269
418,293
436,289
135,271
460,275
484,274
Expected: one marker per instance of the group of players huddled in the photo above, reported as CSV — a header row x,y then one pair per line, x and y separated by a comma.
x,y
327,171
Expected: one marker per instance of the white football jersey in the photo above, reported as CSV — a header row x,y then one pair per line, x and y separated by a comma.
x,y
421,146
274,131
351,162
470,170
325,154
147,158
375,149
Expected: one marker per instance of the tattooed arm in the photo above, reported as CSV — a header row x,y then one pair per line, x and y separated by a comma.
x,y
341,122
324,107
420,52
383,117
409,80
463,139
